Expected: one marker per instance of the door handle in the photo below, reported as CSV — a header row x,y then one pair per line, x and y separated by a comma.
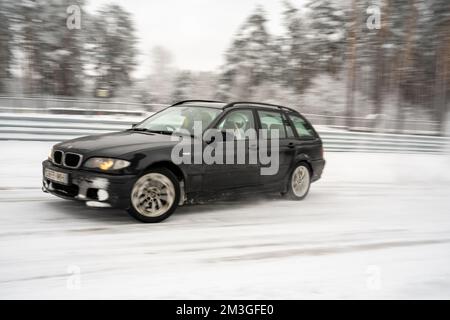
x,y
291,145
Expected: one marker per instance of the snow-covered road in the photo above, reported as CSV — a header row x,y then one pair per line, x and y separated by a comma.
x,y
376,226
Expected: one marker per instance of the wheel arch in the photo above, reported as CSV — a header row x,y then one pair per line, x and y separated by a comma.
x,y
176,170
301,158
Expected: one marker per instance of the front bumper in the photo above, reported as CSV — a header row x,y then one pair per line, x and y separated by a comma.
x,y
96,189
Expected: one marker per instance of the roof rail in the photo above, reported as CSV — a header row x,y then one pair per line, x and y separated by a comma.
x,y
232,104
187,101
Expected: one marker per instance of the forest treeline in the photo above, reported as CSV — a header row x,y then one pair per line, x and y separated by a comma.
x,y
393,53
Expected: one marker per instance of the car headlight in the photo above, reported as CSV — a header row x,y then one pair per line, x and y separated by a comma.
x,y
106,163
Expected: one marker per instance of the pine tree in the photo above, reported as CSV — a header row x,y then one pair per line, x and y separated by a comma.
x,y
405,72
61,50
440,10
26,16
6,39
327,32
182,84
112,46
248,59
297,60
379,58
52,51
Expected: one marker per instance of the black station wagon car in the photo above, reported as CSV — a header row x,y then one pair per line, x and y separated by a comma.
x,y
139,169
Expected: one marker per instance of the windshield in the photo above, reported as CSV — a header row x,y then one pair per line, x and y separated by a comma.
x,y
179,118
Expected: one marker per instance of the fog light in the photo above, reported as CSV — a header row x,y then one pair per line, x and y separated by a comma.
x,y
102,195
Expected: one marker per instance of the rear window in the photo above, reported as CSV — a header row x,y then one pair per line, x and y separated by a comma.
x,y
271,121
303,128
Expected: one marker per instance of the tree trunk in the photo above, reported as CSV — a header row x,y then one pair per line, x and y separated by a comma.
x,y
351,54
442,79
380,63
404,71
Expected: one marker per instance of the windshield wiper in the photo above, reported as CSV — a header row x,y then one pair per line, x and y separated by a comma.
x,y
165,132
161,131
139,130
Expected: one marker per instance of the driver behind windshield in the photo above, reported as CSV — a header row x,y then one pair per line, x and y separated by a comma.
x,y
191,117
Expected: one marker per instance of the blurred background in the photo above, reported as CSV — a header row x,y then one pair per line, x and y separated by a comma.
x,y
373,76
359,65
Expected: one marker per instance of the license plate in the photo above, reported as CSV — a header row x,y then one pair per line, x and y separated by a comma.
x,y
56,176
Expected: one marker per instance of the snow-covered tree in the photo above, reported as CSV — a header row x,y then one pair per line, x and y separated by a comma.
x,y
327,33
61,49
193,85
6,39
298,69
440,11
112,46
248,59
52,51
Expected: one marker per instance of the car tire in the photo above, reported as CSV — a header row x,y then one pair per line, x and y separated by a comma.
x,y
299,182
154,196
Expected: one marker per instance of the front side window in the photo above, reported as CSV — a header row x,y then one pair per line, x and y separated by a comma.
x,y
180,118
303,128
272,121
238,122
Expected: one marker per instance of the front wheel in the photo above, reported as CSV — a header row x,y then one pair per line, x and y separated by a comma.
x,y
299,182
154,196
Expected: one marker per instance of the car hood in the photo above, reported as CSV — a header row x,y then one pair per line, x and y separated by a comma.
x,y
116,143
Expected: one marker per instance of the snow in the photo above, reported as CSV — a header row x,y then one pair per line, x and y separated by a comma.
x,y
376,226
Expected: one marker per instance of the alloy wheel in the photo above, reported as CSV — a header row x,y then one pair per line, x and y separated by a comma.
x,y
300,181
153,195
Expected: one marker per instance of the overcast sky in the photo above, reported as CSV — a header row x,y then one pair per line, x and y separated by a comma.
x,y
197,32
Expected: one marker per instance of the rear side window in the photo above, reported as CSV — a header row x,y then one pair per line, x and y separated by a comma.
x,y
303,128
271,121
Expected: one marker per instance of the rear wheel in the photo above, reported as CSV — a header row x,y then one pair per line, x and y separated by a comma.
x,y
154,196
299,182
